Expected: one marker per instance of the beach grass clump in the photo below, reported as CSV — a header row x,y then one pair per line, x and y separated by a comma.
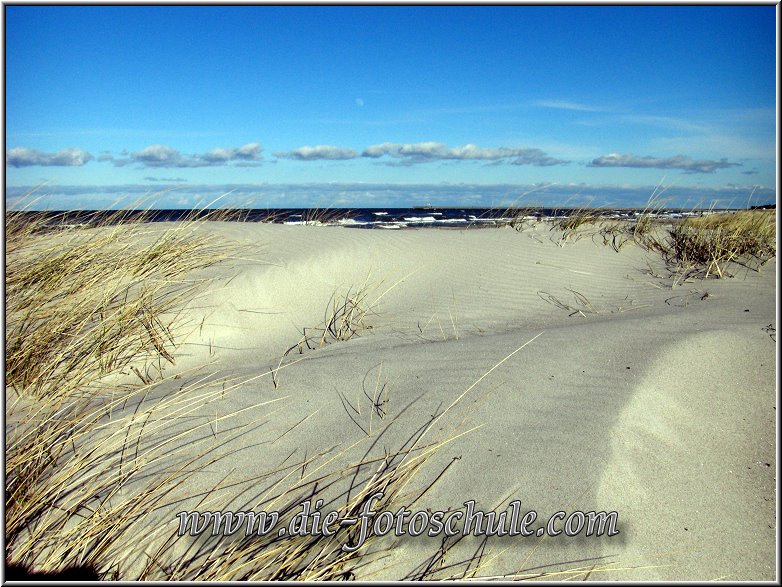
x,y
86,476
644,225
614,234
706,246
344,318
648,220
577,218
66,475
81,304
324,216
521,219
382,482
573,223
640,230
83,301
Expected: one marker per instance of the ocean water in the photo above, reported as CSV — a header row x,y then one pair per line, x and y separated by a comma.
x,y
364,218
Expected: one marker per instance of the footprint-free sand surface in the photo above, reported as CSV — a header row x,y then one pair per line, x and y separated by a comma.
x,y
629,395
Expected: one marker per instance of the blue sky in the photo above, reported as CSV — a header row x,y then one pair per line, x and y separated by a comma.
x,y
127,99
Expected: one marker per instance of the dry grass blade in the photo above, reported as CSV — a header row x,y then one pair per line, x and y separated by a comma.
x,y
614,234
378,402
583,305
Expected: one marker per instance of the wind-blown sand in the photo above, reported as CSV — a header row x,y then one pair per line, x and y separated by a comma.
x,y
653,402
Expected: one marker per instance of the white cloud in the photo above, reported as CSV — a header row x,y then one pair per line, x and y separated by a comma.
x,y
164,156
159,156
23,157
248,152
413,153
328,152
379,150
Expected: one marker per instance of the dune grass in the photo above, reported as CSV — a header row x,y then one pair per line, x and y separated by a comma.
x,y
343,319
576,219
704,246
520,219
323,216
82,304
708,245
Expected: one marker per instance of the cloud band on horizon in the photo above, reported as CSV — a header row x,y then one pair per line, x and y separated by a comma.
x,y
682,162
395,154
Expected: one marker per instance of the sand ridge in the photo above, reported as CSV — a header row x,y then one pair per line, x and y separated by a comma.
x,y
654,402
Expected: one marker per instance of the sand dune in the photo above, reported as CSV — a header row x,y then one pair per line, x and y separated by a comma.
x,y
628,395
654,402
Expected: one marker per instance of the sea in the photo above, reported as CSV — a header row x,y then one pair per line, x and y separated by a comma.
x,y
363,218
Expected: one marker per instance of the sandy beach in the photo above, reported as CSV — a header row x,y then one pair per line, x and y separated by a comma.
x,y
567,376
